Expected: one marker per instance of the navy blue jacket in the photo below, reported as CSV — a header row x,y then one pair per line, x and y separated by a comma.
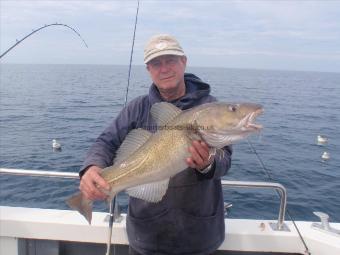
x,y
190,217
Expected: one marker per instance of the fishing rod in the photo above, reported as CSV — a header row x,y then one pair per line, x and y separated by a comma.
x,y
266,171
114,204
38,29
131,54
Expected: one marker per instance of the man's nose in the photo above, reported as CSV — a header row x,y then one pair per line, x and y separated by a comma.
x,y
164,67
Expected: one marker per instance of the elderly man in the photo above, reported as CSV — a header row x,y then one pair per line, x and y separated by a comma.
x,y
190,218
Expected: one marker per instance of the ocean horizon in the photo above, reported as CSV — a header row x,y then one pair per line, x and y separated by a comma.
x,y
192,66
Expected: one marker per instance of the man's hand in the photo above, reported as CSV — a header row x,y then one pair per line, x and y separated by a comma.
x,y
92,183
200,155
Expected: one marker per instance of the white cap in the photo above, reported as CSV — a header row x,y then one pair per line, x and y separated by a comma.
x,y
160,45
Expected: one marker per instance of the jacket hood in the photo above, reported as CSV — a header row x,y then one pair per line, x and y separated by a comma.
x,y
195,89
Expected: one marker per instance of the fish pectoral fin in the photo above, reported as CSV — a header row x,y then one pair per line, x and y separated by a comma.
x,y
164,112
133,141
151,192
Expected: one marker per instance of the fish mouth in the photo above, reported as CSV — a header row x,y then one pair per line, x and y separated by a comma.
x,y
249,123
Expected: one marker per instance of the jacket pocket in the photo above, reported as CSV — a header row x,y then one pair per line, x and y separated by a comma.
x,y
149,233
200,234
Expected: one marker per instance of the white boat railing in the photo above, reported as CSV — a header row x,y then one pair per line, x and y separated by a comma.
x,y
266,185
225,183
39,173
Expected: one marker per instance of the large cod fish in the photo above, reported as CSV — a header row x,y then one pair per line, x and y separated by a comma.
x,y
146,161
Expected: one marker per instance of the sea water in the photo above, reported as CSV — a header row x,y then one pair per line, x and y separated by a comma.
x,y
74,104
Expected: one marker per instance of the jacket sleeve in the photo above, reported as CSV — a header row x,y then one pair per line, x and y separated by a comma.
x,y
103,151
221,164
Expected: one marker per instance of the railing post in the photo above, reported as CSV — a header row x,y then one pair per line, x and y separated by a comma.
x,y
271,185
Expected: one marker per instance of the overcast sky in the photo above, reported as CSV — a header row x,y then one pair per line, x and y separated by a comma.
x,y
288,35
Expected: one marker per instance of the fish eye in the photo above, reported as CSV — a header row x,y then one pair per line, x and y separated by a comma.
x,y
232,108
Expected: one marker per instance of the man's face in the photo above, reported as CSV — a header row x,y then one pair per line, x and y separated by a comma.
x,y
167,72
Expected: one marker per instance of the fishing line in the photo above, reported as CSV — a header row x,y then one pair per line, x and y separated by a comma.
x,y
114,203
40,28
272,179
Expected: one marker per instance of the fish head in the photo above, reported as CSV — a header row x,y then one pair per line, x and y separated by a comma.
x,y
221,124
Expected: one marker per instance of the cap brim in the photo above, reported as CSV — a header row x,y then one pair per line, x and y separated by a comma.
x,y
162,53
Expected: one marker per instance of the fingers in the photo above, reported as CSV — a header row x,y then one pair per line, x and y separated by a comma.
x,y
92,184
200,156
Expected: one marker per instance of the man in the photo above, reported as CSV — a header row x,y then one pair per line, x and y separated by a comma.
x,y
190,217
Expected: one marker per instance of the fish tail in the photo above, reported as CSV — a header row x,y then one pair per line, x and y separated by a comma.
x,y
82,205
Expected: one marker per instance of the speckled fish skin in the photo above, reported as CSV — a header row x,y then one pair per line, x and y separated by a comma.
x,y
164,153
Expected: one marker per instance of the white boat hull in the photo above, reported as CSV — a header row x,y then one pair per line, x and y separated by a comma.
x,y
241,234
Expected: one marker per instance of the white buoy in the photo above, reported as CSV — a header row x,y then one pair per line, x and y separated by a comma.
x,y
56,145
325,156
322,140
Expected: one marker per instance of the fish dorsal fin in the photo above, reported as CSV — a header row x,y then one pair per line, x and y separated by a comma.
x,y
151,192
164,112
132,142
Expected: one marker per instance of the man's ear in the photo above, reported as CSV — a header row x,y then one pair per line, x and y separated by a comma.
x,y
183,59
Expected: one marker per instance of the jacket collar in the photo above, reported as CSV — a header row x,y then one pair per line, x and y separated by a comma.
x,y
195,89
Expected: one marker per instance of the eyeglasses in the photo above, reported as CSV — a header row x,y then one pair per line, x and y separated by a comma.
x,y
168,61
